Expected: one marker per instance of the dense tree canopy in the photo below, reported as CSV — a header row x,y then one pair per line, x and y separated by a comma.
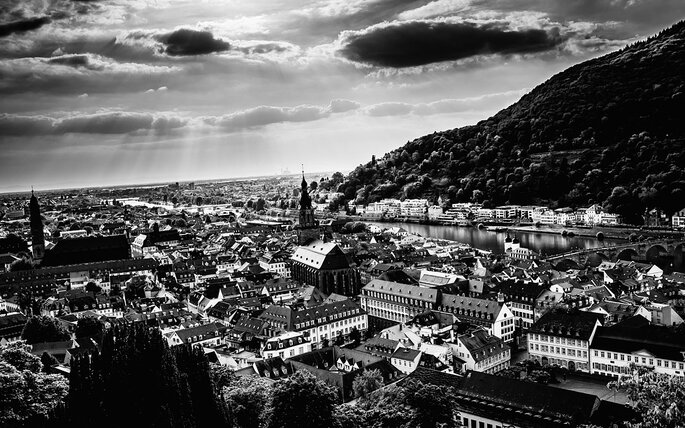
x,y
301,400
136,370
88,327
246,401
659,399
622,146
27,395
43,328
409,404
367,382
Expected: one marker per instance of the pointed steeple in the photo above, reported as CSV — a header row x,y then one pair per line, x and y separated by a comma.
x,y
308,225
305,200
37,232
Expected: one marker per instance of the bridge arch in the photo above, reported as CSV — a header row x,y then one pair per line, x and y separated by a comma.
x,y
566,264
657,255
595,259
679,258
628,254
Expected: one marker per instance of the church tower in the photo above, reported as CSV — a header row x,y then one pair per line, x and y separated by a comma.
x,y
37,234
308,226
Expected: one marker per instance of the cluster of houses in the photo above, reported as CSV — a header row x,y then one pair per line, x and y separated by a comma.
x,y
267,301
462,212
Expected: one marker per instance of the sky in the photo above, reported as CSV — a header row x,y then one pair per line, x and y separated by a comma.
x,y
107,92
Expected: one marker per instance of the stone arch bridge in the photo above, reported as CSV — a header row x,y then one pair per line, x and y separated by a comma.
x,y
668,254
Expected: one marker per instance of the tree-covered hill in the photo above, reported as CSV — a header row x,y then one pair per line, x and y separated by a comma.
x,y
609,130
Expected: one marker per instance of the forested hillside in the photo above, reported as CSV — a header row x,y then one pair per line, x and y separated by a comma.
x,y
609,130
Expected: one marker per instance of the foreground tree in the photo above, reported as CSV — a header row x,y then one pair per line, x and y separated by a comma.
x,y
246,399
137,371
659,399
301,400
409,404
27,395
366,383
43,328
88,327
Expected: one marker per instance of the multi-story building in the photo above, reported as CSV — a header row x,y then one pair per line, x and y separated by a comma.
x,y
484,213
325,266
320,325
506,211
151,242
595,214
563,338
405,360
495,317
206,335
396,302
46,280
521,253
389,207
521,299
544,217
482,352
678,219
614,349
286,345
414,207
490,401
435,212
277,262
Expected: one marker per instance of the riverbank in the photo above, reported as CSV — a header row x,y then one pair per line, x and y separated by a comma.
x,y
611,232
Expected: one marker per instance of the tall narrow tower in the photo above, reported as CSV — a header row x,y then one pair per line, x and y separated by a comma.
x,y
37,234
308,226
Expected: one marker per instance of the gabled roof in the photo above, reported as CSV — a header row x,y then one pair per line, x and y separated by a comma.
x,y
403,290
482,345
471,307
406,354
573,324
322,255
658,341
513,401
205,331
273,368
87,250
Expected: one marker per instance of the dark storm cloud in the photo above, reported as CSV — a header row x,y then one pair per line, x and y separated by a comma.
x,y
413,43
185,41
23,25
74,61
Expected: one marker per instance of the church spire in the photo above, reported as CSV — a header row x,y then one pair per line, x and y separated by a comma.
x,y
308,225
305,200
36,223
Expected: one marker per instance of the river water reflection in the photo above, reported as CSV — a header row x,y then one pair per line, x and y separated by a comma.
x,y
544,243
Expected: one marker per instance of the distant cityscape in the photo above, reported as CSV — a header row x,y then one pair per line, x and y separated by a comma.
x,y
342,214
271,276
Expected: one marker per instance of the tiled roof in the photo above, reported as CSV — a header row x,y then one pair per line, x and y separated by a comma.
x,y
406,354
316,315
470,307
658,341
482,345
514,401
402,290
322,255
203,332
577,324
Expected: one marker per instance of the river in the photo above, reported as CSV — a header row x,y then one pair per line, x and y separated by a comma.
x,y
544,243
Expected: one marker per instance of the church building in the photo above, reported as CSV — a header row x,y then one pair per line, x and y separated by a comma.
x,y
37,231
317,261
